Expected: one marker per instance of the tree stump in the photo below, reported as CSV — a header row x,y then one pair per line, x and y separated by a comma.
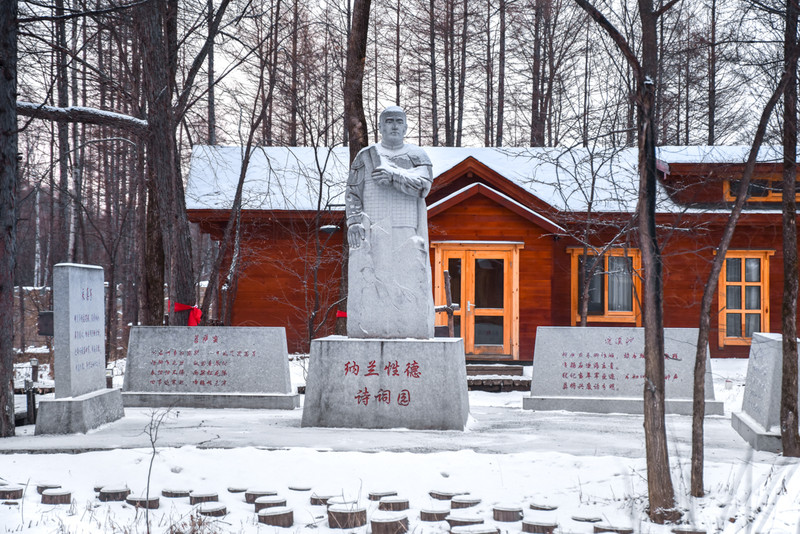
x,y
212,509
317,500
236,489
586,519
150,503
475,529
393,524
11,492
299,487
463,520
342,500
56,496
98,487
378,495
175,493
433,515
445,495
269,501
464,501
507,514
113,494
393,504
537,527
346,516
41,487
610,528
543,507
197,497
688,530
250,496
277,517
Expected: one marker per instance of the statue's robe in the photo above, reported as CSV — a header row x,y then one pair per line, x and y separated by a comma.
x,y
389,273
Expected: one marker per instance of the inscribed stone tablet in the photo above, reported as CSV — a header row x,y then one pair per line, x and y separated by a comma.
x,y
588,364
762,393
79,329
187,359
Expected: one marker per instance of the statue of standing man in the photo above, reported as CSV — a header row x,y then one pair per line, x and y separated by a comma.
x,y
389,271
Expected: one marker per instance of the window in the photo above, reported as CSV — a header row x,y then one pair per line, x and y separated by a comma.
x,y
765,188
612,285
743,296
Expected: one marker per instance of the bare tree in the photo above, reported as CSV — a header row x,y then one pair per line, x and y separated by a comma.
x,y
659,479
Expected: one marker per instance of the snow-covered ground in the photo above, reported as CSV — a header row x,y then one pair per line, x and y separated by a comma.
x,y
585,464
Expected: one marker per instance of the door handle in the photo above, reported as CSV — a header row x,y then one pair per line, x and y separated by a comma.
x,y
469,306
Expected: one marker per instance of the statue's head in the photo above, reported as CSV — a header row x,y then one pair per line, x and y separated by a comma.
x,y
392,125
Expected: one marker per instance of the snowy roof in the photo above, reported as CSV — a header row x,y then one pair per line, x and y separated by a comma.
x,y
303,178
717,154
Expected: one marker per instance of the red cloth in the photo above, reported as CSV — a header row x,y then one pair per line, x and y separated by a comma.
x,y
341,314
195,315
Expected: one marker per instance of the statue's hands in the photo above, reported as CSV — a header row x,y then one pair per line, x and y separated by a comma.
x,y
382,176
355,235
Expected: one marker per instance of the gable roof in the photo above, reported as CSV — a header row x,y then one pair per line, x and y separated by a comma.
x,y
568,179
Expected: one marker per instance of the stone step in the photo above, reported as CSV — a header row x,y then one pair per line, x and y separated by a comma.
x,y
477,369
498,383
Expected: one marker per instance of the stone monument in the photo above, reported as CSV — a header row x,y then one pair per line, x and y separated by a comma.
x,y
389,371
759,421
82,401
208,367
601,370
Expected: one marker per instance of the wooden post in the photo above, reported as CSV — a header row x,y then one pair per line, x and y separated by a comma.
x,y
449,307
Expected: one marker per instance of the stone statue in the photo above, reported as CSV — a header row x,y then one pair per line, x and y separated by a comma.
x,y
389,272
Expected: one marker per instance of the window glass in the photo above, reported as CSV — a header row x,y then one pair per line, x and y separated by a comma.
x,y
734,297
488,330
454,268
752,269
733,270
489,288
620,284
592,267
752,297
752,324
733,326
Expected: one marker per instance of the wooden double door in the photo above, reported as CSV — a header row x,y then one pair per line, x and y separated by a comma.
x,y
484,281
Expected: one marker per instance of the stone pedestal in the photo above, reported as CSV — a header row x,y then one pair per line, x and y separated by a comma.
x,y
387,383
79,414
82,401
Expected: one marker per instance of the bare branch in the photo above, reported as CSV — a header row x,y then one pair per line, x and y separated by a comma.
x,y
83,115
615,35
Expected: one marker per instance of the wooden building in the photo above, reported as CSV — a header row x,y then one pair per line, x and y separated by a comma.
x,y
523,232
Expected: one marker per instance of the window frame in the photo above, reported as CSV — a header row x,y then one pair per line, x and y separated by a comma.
x,y
722,287
633,316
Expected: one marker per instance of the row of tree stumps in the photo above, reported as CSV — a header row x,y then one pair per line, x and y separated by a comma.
x,y
387,512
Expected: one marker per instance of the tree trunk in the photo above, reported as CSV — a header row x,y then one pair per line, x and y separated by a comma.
x,y
659,479
790,440
354,118
712,75
434,100
537,121
61,243
212,115
501,74
462,75
8,215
